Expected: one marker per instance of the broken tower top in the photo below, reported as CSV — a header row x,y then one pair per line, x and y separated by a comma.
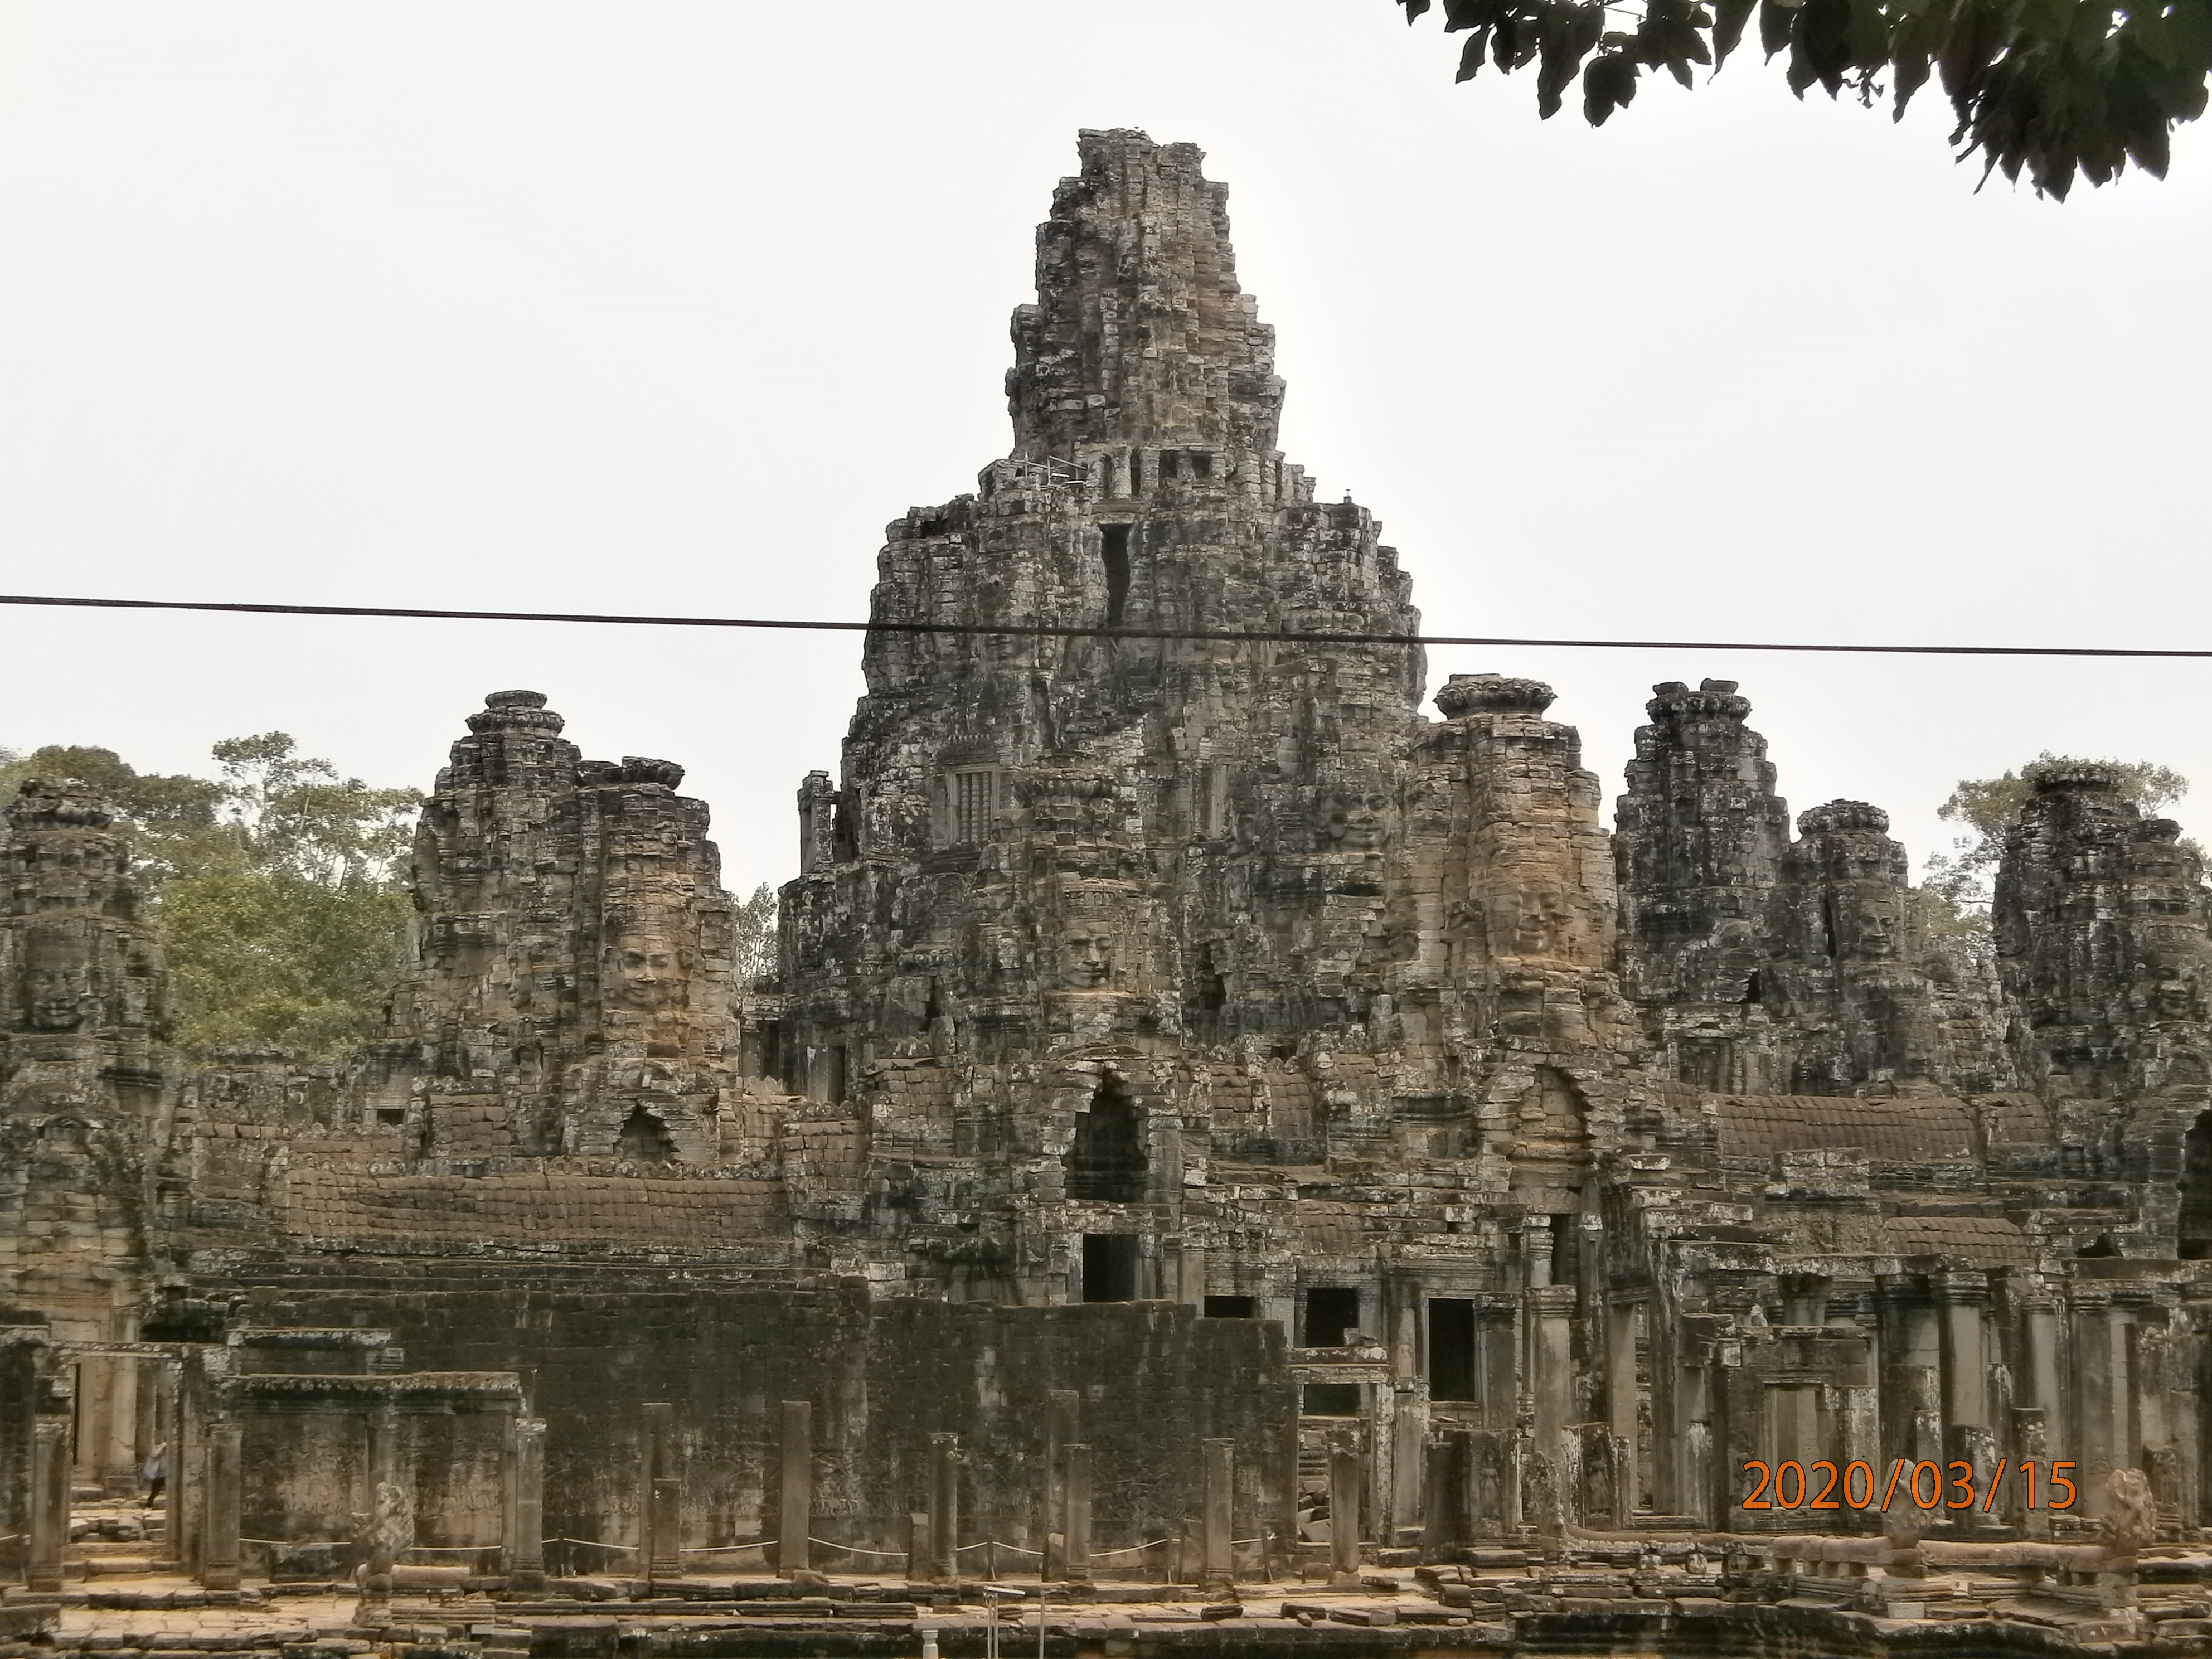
x,y
1140,336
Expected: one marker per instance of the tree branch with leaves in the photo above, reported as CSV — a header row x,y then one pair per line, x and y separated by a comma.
x,y
2054,88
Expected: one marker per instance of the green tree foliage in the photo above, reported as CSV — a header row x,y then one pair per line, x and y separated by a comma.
x,y
2053,88
284,928
275,889
753,938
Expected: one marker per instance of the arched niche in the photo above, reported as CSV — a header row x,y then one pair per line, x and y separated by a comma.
x,y
1106,1164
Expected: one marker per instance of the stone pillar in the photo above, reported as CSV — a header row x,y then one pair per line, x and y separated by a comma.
x,y
48,1521
818,814
1348,1481
1190,1273
2043,1359
1621,1401
526,1507
1075,1525
220,1514
1409,1433
661,1500
1965,1368
1216,1562
391,1522
2102,1394
1692,1450
1858,1424
1552,1366
1920,1390
108,1437
943,1506
1449,1462
796,1513
1498,1360
1061,1408
2031,1440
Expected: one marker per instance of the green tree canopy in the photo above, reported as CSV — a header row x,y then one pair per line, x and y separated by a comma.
x,y
753,938
2053,88
275,889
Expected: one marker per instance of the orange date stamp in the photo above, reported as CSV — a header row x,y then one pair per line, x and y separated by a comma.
x,y
1925,1485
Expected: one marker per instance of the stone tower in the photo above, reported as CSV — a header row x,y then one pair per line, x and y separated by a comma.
x,y
1075,854
1700,837
1866,1000
2100,927
85,1071
570,992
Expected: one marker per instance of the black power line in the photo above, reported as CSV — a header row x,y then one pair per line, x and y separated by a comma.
x,y
1056,630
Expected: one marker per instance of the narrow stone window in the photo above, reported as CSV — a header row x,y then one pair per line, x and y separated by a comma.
x,y
1114,554
1232,1307
1201,466
1168,463
1332,1314
1107,1162
1451,1349
1109,1267
392,1116
644,1137
975,798
1136,472
2196,1191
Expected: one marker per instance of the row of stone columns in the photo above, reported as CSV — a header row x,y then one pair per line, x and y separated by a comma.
x,y
213,1501
216,1499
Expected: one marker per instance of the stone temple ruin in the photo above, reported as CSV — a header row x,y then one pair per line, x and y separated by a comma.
x,y
1211,1124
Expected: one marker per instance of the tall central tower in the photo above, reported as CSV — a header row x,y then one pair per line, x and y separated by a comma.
x,y
1051,862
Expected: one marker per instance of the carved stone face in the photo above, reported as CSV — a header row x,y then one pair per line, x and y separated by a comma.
x,y
1354,823
648,972
58,993
1086,958
2173,999
1868,928
55,998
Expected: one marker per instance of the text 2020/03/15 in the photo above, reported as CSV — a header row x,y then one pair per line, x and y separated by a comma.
x,y
1926,1485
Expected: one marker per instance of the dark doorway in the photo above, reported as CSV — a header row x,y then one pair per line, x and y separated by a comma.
x,y
1106,1165
1332,1313
1232,1307
645,1138
1114,552
1330,1400
1451,1349
1109,1267
2197,1190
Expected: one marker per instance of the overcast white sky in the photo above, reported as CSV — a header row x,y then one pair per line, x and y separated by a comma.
x,y
644,304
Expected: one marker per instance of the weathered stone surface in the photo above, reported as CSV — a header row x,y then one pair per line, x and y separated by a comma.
x,y
1864,998
571,992
84,1068
2101,940
1519,1178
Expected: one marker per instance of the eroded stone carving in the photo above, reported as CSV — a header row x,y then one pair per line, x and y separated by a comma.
x,y
1579,1165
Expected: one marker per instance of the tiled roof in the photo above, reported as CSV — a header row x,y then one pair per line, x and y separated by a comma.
x,y
1898,1131
1977,1240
